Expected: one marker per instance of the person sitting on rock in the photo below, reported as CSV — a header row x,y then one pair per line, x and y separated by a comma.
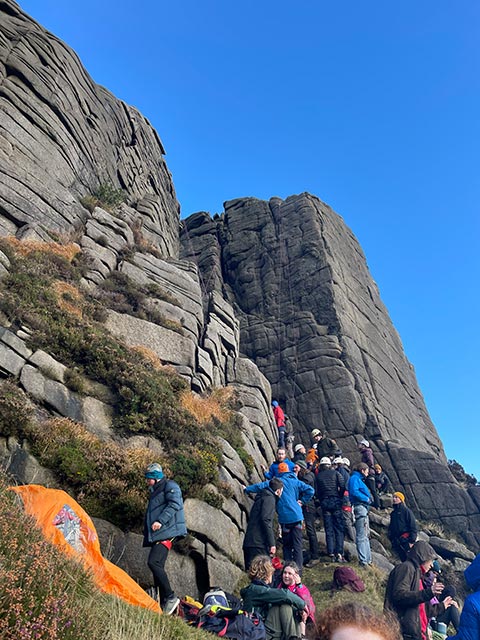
x,y
279,417
452,613
273,470
402,530
382,481
292,580
280,609
469,628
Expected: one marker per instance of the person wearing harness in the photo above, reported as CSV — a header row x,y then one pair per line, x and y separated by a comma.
x,y
402,530
361,499
164,521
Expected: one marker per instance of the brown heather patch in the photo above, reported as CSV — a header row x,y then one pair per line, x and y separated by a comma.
x,y
69,298
149,355
204,408
26,247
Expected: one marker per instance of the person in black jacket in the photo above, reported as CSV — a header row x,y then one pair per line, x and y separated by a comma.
x,y
164,521
309,513
259,536
407,597
402,530
330,487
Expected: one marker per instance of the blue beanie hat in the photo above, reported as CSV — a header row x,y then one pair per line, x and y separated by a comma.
x,y
154,471
274,403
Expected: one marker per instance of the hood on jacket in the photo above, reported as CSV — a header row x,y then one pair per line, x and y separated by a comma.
x,y
472,574
421,552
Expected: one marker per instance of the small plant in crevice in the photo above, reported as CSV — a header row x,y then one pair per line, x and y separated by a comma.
x,y
105,196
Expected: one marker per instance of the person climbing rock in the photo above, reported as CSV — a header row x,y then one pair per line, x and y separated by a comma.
x,y
280,422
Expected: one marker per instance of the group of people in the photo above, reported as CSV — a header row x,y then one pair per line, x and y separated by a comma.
x,y
416,600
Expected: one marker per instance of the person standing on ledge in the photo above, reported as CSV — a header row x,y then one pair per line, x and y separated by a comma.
x,y
280,422
402,530
164,521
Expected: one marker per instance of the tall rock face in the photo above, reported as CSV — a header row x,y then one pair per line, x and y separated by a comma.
x,y
311,318
62,136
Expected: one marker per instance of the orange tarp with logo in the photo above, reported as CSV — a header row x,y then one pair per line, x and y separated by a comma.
x,y
69,527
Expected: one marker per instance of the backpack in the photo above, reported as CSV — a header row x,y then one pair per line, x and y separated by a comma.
x,y
234,624
216,596
346,578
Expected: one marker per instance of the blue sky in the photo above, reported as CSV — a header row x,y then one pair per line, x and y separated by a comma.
x,y
372,106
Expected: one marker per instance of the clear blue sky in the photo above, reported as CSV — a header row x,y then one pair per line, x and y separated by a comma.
x,y
372,106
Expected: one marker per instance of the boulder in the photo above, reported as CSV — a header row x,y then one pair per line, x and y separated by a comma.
x,y
214,527
450,548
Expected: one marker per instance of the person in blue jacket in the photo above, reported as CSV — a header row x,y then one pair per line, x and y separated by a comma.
x,y
273,470
289,509
361,498
470,619
164,521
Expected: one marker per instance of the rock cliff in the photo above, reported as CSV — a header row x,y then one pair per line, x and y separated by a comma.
x,y
269,293
312,319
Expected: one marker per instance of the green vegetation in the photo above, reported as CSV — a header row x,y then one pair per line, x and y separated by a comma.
x,y
319,580
42,293
47,596
105,196
122,294
15,410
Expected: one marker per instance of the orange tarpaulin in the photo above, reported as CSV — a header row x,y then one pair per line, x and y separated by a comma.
x,y
69,527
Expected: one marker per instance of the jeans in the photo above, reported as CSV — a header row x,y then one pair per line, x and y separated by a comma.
x,y
334,524
361,529
281,437
156,562
292,540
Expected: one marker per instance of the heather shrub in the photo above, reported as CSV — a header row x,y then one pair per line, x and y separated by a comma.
x,y
37,600
15,410
107,478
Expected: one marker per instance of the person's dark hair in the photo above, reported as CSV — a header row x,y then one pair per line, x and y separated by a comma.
x,y
293,565
358,616
361,466
261,568
275,483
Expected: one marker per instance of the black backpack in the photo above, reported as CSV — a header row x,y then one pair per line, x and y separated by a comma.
x,y
233,623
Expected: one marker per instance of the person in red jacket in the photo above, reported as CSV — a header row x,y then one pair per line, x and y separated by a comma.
x,y
280,422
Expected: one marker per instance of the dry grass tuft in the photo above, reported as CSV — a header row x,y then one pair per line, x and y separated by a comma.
x,y
204,408
150,356
69,298
26,247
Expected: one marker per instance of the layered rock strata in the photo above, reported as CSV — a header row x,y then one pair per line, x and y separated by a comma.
x,y
312,319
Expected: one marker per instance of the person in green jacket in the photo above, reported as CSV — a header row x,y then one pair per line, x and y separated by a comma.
x,y
280,609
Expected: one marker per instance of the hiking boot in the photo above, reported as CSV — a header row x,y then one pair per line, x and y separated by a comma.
x,y
339,558
312,563
170,605
331,557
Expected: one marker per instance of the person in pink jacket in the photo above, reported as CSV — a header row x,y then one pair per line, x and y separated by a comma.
x,y
292,581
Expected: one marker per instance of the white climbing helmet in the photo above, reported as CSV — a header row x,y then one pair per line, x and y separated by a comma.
x,y
346,462
326,460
